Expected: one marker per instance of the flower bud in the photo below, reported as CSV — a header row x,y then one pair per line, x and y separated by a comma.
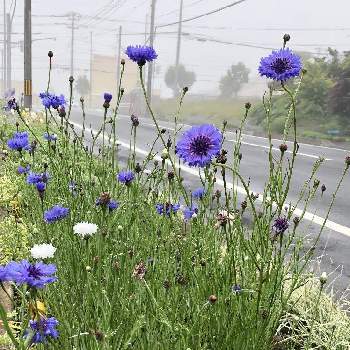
x,y
50,54
122,61
71,79
212,299
165,154
323,278
286,37
247,105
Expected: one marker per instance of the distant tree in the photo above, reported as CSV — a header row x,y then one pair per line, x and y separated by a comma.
x,y
339,95
180,79
82,85
232,82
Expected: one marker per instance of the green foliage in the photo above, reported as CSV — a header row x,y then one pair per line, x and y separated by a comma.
x,y
177,79
14,240
323,99
231,83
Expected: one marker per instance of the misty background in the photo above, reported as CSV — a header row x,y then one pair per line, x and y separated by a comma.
x,y
314,25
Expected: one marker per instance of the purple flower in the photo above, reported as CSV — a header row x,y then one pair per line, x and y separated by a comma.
x,y
112,205
11,104
108,97
19,141
50,137
199,145
280,225
280,65
41,187
34,178
23,170
189,212
55,213
126,177
50,100
108,202
199,193
141,54
3,273
36,275
167,209
43,328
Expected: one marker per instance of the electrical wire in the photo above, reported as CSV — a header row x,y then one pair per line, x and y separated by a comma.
x,y
203,14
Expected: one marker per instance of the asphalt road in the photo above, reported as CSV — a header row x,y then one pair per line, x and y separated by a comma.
x,y
334,247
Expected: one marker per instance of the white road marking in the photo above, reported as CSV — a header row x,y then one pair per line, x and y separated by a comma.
x,y
277,149
344,230
244,143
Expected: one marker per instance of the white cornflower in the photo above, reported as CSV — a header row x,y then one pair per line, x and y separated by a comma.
x,y
84,229
43,251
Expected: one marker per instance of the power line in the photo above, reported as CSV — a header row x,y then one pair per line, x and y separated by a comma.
x,y
204,14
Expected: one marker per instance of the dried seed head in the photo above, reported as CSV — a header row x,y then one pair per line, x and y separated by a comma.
x,y
105,198
283,148
140,271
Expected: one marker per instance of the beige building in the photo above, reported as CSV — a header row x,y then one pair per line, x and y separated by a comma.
x,y
104,77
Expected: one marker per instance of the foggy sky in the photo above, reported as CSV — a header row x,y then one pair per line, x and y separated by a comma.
x,y
326,24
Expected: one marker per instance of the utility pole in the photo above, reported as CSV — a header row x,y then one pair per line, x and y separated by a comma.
x,y
178,47
8,52
74,16
119,56
28,54
90,90
179,34
4,82
151,41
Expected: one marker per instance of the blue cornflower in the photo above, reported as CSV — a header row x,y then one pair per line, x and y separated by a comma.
x,y
190,212
3,273
199,145
141,54
36,275
55,213
112,205
34,178
236,288
23,170
108,97
199,193
50,137
280,65
41,187
126,177
50,100
280,225
19,141
167,209
42,329
106,201
11,104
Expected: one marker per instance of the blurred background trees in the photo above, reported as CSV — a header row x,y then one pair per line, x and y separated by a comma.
x,y
231,83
